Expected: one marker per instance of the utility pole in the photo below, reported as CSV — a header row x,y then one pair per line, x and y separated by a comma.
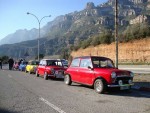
x,y
116,31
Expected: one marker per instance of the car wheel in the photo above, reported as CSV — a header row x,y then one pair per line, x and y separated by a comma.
x,y
37,74
67,80
29,72
45,76
99,86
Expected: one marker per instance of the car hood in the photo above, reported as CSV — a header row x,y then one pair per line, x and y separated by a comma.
x,y
110,70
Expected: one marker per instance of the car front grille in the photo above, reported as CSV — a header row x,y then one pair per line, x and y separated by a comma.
x,y
124,80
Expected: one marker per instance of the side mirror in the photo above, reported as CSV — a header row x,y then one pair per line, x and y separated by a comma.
x,y
89,67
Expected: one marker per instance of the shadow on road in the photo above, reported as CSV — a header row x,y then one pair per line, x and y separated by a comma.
x,y
118,92
6,111
142,84
129,93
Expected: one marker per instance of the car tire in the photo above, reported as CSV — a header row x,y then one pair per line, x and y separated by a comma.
x,y
67,80
29,72
37,75
45,76
99,86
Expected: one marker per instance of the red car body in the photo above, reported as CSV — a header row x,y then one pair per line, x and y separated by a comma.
x,y
16,65
50,68
89,70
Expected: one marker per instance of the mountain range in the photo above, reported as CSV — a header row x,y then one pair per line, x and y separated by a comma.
x,y
70,29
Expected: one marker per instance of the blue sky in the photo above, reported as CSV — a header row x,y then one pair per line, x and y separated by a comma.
x,y
13,13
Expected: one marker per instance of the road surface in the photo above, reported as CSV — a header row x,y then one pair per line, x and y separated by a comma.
x,y
21,92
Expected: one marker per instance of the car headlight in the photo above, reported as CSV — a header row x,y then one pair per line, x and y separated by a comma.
x,y
113,75
132,74
120,82
130,81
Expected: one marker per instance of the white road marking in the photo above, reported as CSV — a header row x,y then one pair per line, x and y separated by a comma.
x,y
52,105
9,76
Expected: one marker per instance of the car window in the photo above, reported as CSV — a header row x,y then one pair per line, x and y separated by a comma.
x,y
41,62
34,63
51,62
30,63
59,63
98,62
24,62
86,63
75,63
44,63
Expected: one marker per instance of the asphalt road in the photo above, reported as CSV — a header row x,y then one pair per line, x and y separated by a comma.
x,y
21,92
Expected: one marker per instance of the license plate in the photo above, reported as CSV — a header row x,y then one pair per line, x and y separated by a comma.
x,y
124,87
60,73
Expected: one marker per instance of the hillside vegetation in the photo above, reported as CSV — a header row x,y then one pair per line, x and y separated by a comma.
x,y
90,27
132,32
137,51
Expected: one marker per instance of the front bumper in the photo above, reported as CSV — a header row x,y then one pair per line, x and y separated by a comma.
x,y
123,85
57,74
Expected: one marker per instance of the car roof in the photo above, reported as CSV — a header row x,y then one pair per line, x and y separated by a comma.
x,y
51,59
33,60
92,57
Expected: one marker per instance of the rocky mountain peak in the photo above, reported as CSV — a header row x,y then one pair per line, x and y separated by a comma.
x,y
90,5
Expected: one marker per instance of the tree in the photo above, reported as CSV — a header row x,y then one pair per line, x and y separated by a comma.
x,y
95,41
41,56
86,43
106,37
136,31
4,59
64,54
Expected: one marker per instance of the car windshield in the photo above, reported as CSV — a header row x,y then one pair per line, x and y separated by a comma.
x,y
35,63
54,63
24,63
64,62
99,62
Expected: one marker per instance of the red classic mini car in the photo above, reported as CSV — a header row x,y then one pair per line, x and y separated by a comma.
x,y
50,68
16,65
98,72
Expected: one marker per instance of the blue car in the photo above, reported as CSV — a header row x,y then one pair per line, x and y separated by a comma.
x,y
23,65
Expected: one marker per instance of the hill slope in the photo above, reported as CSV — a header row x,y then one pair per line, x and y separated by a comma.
x,y
70,29
130,52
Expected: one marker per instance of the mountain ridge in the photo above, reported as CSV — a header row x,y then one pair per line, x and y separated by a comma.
x,y
68,30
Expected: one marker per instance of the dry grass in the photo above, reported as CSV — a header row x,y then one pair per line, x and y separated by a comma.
x,y
134,51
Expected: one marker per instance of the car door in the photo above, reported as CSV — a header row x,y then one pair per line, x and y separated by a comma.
x,y
40,67
74,69
86,73
28,66
43,67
